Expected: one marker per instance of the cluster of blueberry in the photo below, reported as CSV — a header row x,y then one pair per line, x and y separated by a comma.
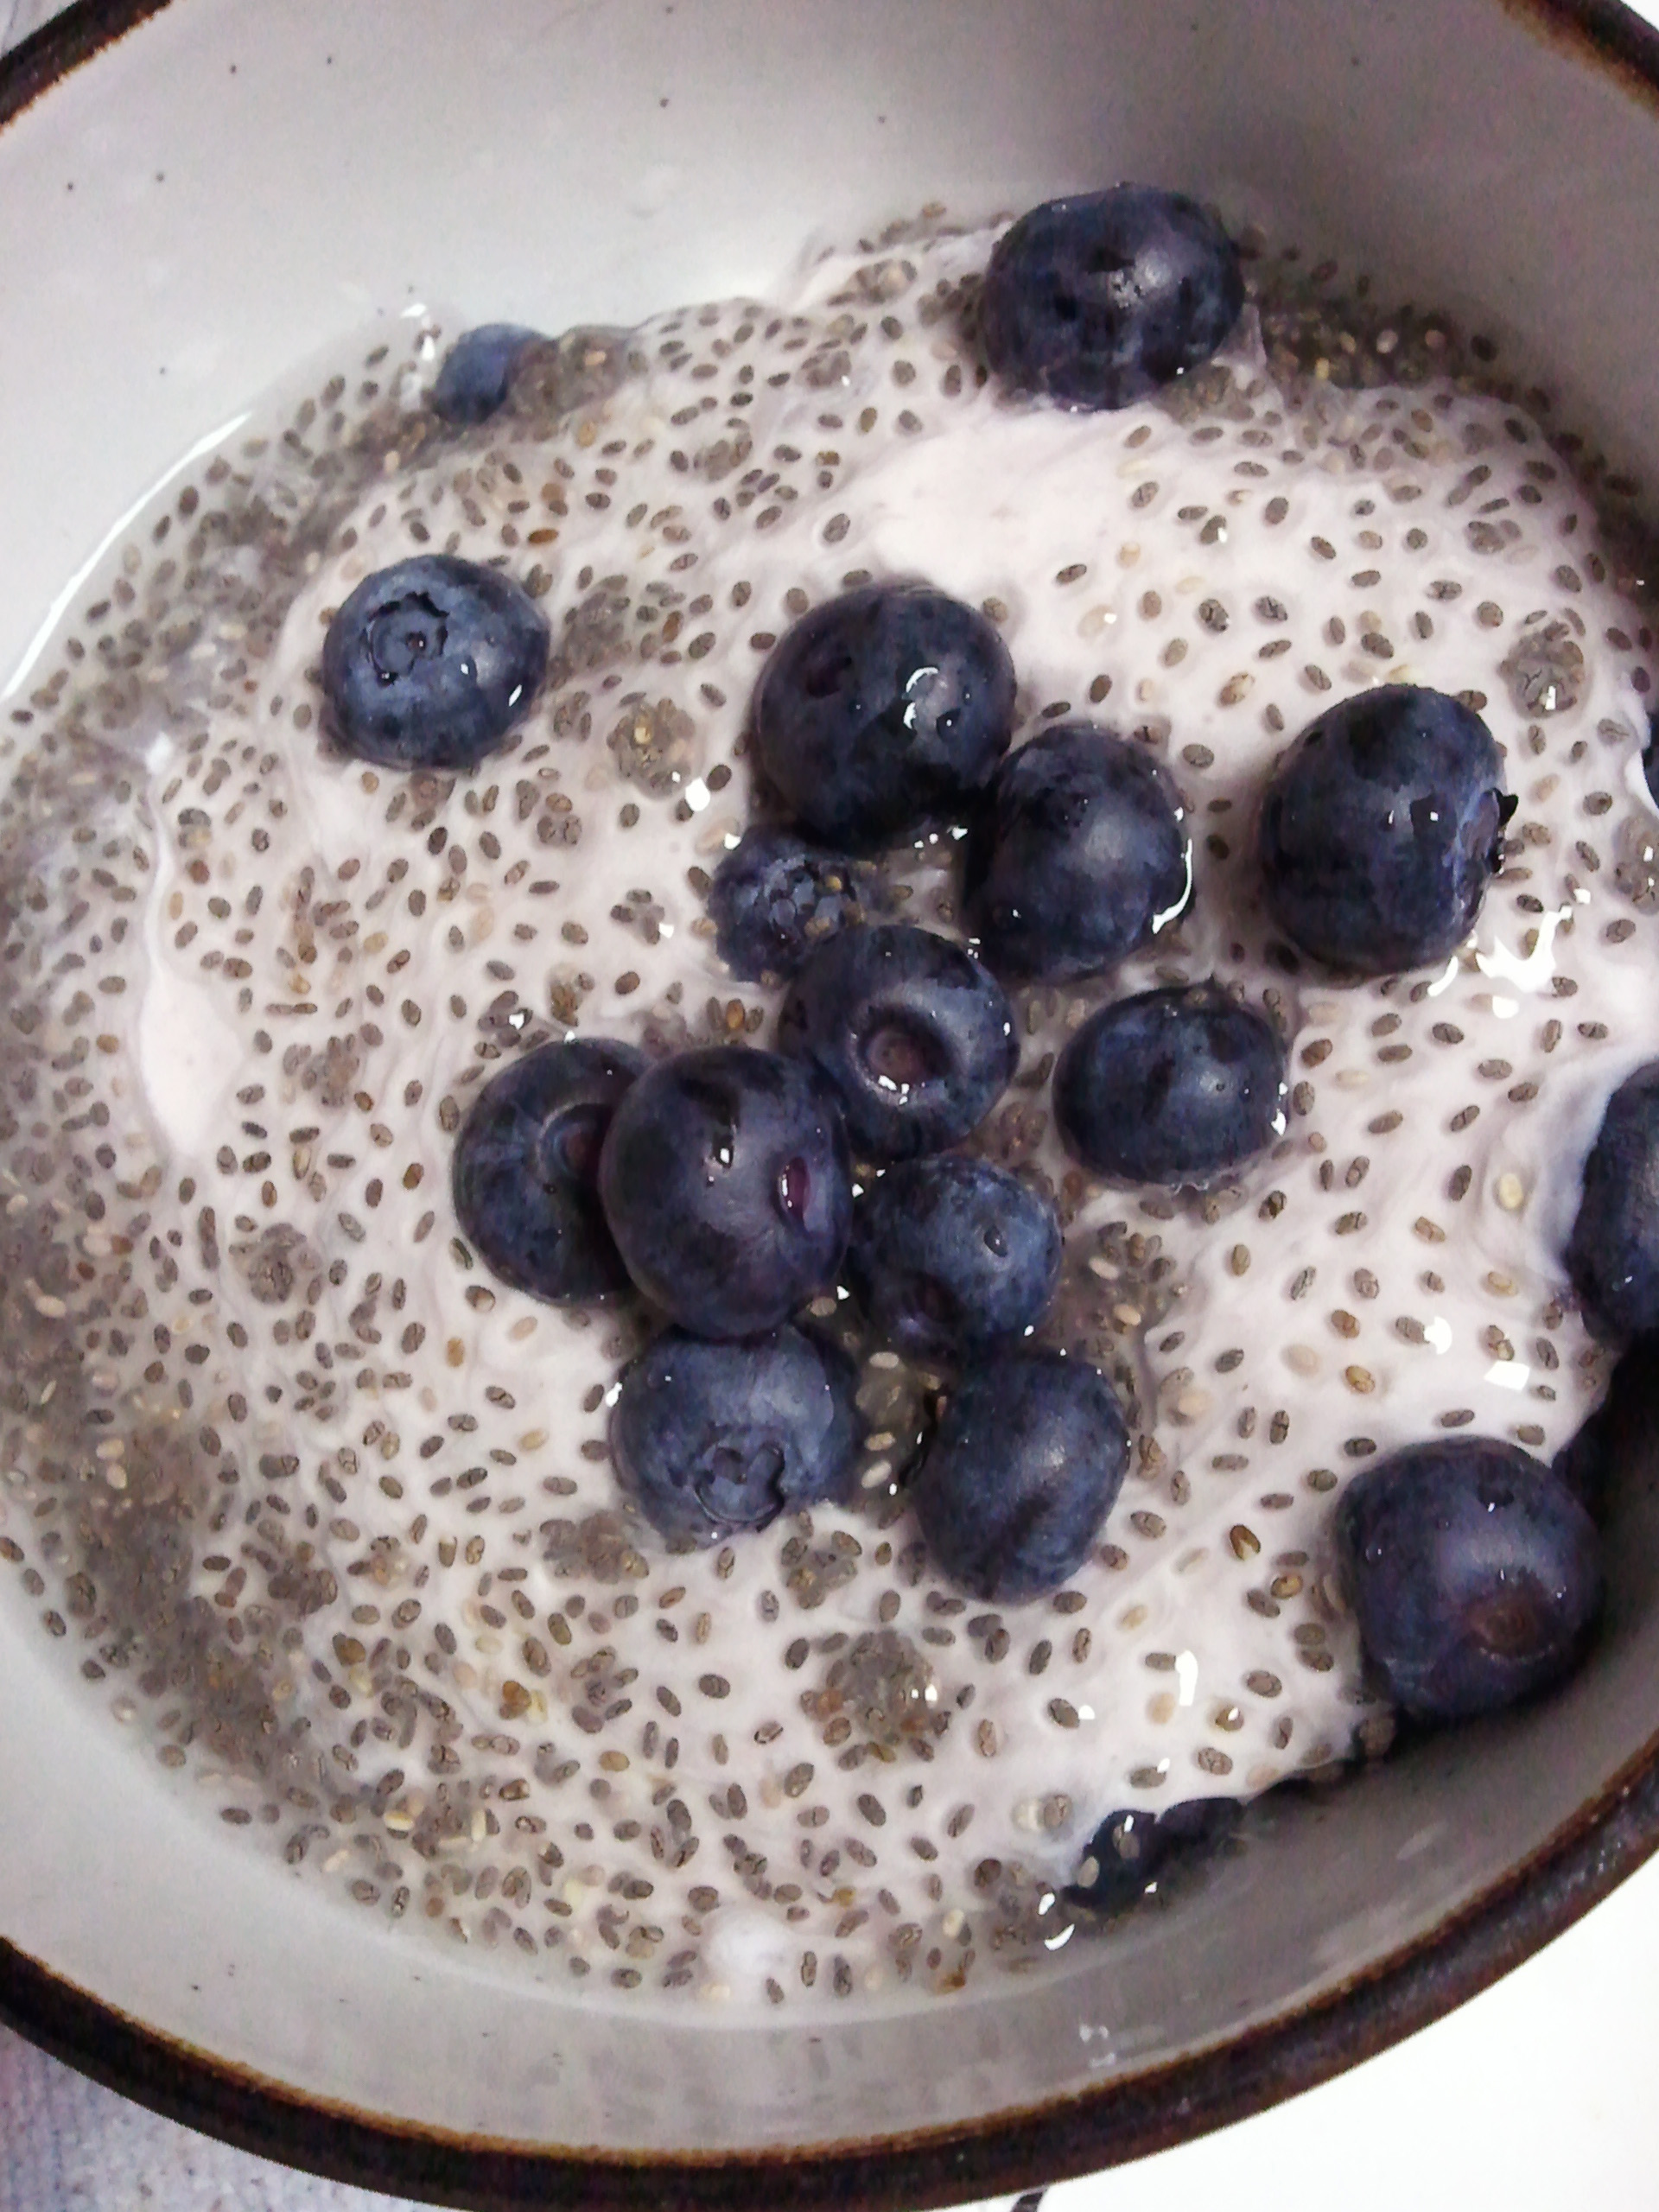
x,y
719,1183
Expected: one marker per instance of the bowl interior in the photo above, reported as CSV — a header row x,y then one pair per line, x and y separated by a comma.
x,y
222,193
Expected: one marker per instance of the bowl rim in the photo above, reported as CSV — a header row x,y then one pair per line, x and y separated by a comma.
x,y
1132,2116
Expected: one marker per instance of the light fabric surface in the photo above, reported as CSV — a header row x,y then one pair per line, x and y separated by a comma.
x,y
66,2145
19,18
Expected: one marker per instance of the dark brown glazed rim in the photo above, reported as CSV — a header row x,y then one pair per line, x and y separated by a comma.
x,y
1607,1840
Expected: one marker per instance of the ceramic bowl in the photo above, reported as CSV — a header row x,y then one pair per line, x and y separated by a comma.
x,y
197,195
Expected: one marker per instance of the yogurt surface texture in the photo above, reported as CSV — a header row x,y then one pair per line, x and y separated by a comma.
x,y
327,1514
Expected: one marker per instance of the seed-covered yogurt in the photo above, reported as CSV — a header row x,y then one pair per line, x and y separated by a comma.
x,y
329,1516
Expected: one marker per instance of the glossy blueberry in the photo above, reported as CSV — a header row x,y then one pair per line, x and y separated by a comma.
x,y
774,899
477,372
1473,1573
725,1181
1381,828
430,663
1170,1086
880,709
1099,299
1076,858
1612,1256
524,1171
915,1037
950,1253
1131,1852
714,1437
1025,1466
1650,755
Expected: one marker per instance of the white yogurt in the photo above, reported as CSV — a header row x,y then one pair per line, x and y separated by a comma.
x,y
1390,1269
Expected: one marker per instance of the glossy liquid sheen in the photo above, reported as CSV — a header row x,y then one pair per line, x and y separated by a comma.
x,y
326,1514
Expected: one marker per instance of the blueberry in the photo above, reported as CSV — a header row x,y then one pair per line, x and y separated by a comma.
x,y
1099,299
917,1038
1025,1466
1170,1086
430,663
1613,1437
880,709
713,1438
1130,1852
1584,1463
1650,755
1473,1573
1612,1256
774,899
1381,828
526,1169
503,364
950,1253
477,372
725,1180
1077,857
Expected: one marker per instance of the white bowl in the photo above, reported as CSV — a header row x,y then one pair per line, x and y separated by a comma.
x,y
222,191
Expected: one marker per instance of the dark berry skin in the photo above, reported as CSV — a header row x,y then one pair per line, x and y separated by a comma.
x,y
949,1253
525,1168
915,1036
1098,301
1171,1086
477,373
1025,1466
1650,756
1473,1573
1612,1256
431,662
1585,1462
774,899
710,1439
1381,829
726,1183
881,710
1129,1852
1076,858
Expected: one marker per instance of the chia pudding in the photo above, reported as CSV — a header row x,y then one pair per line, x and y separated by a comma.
x,y
326,1511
